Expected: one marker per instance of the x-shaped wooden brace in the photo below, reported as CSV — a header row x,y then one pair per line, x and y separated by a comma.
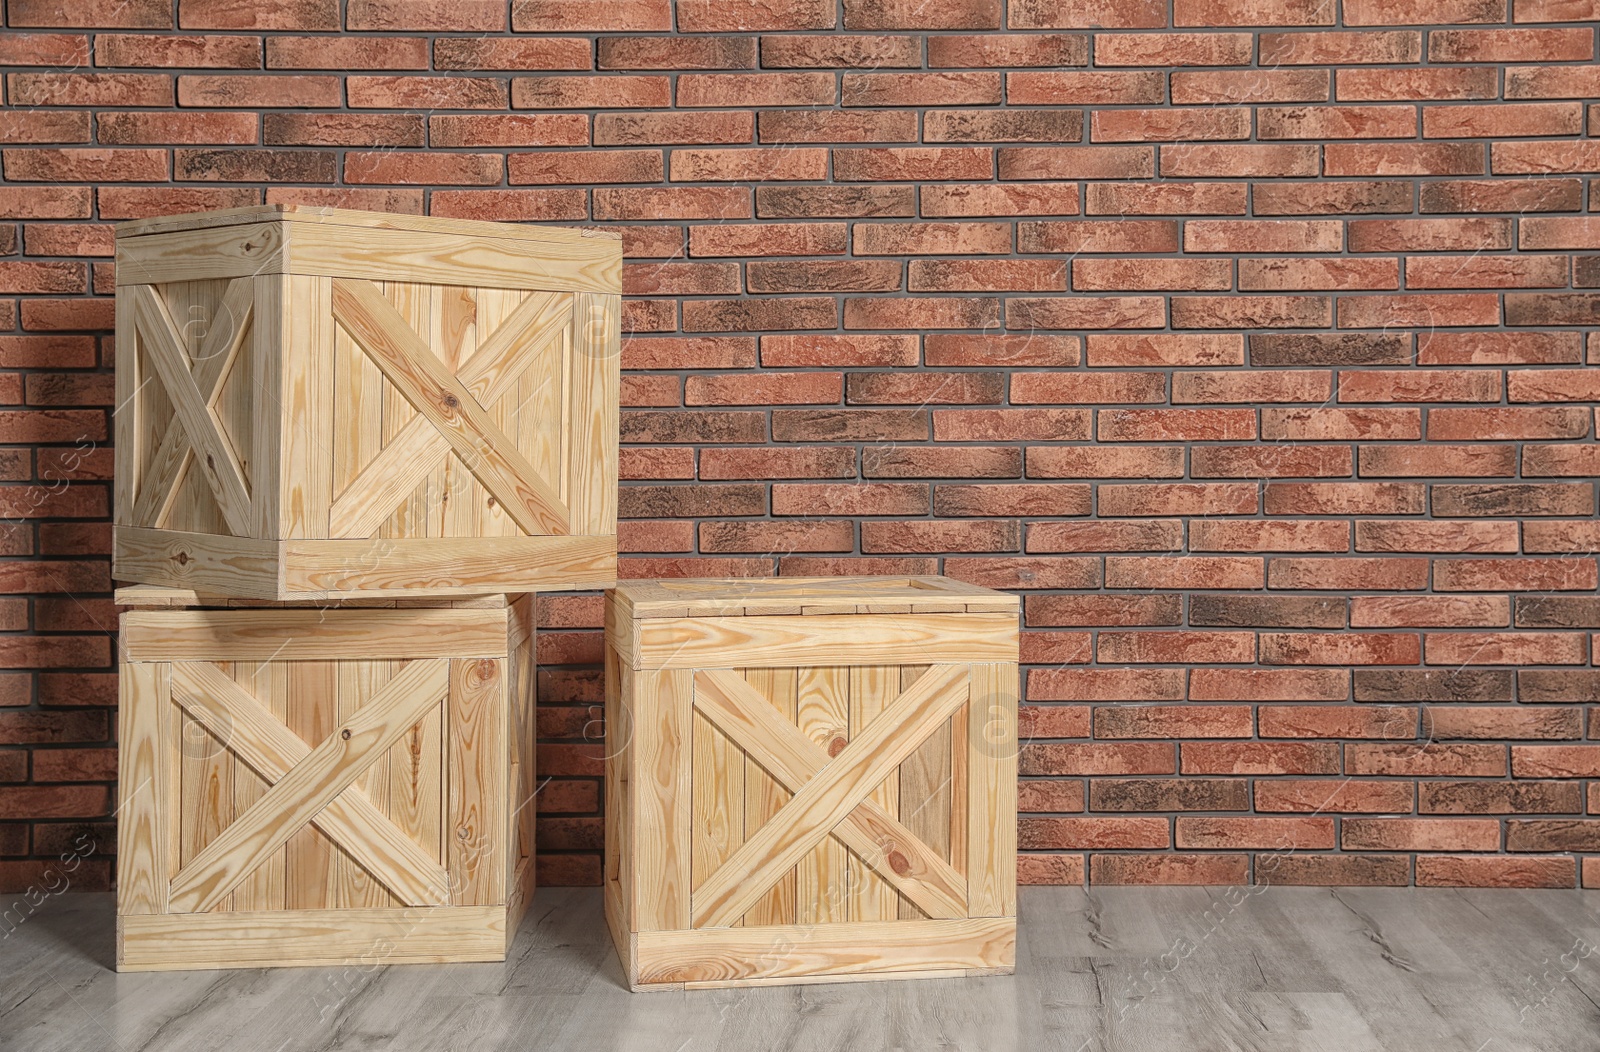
x,y
451,414
834,800
194,429
309,785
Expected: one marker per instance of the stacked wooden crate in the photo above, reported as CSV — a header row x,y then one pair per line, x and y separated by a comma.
x,y
349,448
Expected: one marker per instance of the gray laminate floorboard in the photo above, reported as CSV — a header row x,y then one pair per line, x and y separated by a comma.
x,y
1111,970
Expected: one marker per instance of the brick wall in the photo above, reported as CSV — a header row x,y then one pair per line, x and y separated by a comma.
x,y
1248,339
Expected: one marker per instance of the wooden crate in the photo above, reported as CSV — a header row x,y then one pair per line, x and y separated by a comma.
x,y
316,403
810,780
305,786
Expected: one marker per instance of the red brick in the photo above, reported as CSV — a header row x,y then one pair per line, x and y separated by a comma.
x,y
1353,196
1225,312
1115,275
769,537
941,462
515,129
1016,574
1502,120
1333,48
724,16
767,463
486,53
879,275
1054,721
1105,536
824,350
1251,86
89,89
1109,685
939,536
422,168
1098,832
748,165
340,129
755,314
748,89
1551,82
321,52
955,388
60,50
1243,160
1165,349
1488,424
675,202
1219,498
1506,648
1037,868
1211,869
1498,348
1454,871
1259,758
1168,125
960,275
830,51
1501,195
1276,461
1254,387
1350,648
768,239
1173,49
1427,158
86,165
610,91
1167,198
930,238
913,162
1193,571
857,498
1422,12
1348,574
676,52
1483,271
1428,759
1510,45
1284,834
831,126
1327,795
1336,122
1430,611
1094,388
1002,50
920,89
1075,162
1108,758
408,202
1174,647
38,202
1559,460
1223,535
1089,462
923,312
1516,575
1102,610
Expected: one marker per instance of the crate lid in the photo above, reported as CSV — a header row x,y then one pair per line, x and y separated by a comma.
x,y
158,596
226,217
734,596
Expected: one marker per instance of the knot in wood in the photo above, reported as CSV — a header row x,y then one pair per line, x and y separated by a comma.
x,y
182,558
345,734
836,745
451,402
899,863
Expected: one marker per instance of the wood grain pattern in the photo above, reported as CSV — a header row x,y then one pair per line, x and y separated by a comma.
x,y
991,742
765,796
288,635
660,851
825,878
143,863
833,639
478,789
871,688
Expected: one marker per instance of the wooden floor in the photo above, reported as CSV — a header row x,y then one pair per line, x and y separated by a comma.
x,y
1191,969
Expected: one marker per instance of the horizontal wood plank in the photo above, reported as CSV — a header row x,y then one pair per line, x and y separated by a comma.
x,y
447,565
793,951
311,938
826,639
311,635
239,566
439,258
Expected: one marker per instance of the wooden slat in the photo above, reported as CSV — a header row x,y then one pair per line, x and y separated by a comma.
x,y
871,688
446,566
351,819
263,889
476,809
727,595
289,635
322,215
827,800
216,565
417,447
992,791
925,800
615,876
426,257
143,804
825,878
191,255
881,841
359,887
311,713
828,639
661,746
765,797
796,951
309,787
438,395
215,459
307,440
311,938
271,321
591,454
131,455
718,800
205,805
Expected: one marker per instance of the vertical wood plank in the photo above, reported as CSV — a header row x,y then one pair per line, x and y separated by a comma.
x,y
475,718
592,491
618,687
206,801
358,681
872,687
266,333
143,842
416,782
523,744
130,454
827,875
925,789
992,790
662,746
307,440
263,888
764,797
492,307
311,711
718,790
